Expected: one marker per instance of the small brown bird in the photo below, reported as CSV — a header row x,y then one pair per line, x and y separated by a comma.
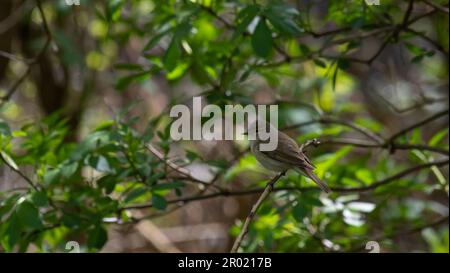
x,y
286,156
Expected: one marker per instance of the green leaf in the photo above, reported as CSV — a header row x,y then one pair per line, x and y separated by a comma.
x,y
282,20
414,49
39,199
124,82
7,204
9,160
417,59
159,202
265,209
299,211
192,155
51,176
71,220
262,39
438,137
4,129
320,63
155,39
168,186
310,200
364,175
97,237
343,64
416,136
172,55
114,9
19,134
335,73
135,193
107,182
11,234
245,17
69,169
107,124
155,177
305,49
28,215
67,48
331,160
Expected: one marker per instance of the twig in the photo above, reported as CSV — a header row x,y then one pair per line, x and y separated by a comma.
x,y
183,171
424,100
14,17
253,211
327,120
393,177
421,16
17,171
329,32
436,6
408,12
393,146
226,193
217,16
34,61
380,238
12,57
429,40
417,124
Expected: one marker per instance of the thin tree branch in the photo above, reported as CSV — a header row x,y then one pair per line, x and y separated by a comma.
x,y
217,16
393,146
14,17
329,32
34,61
410,231
17,171
408,12
417,124
417,103
436,6
393,178
12,57
421,16
434,43
226,193
268,189
328,120
183,171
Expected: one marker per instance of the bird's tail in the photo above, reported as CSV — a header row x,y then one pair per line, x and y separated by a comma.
x,y
309,173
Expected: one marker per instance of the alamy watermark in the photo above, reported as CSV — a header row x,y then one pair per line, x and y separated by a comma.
x,y
373,246
372,2
72,247
227,124
72,2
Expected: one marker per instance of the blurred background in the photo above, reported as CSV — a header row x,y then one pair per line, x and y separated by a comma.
x,y
85,95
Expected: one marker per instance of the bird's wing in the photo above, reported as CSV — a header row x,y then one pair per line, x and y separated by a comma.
x,y
289,152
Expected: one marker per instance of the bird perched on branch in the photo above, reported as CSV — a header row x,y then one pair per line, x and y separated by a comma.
x,y
287,155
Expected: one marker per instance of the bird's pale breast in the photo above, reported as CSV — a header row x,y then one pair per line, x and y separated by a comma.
x,y
266,161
